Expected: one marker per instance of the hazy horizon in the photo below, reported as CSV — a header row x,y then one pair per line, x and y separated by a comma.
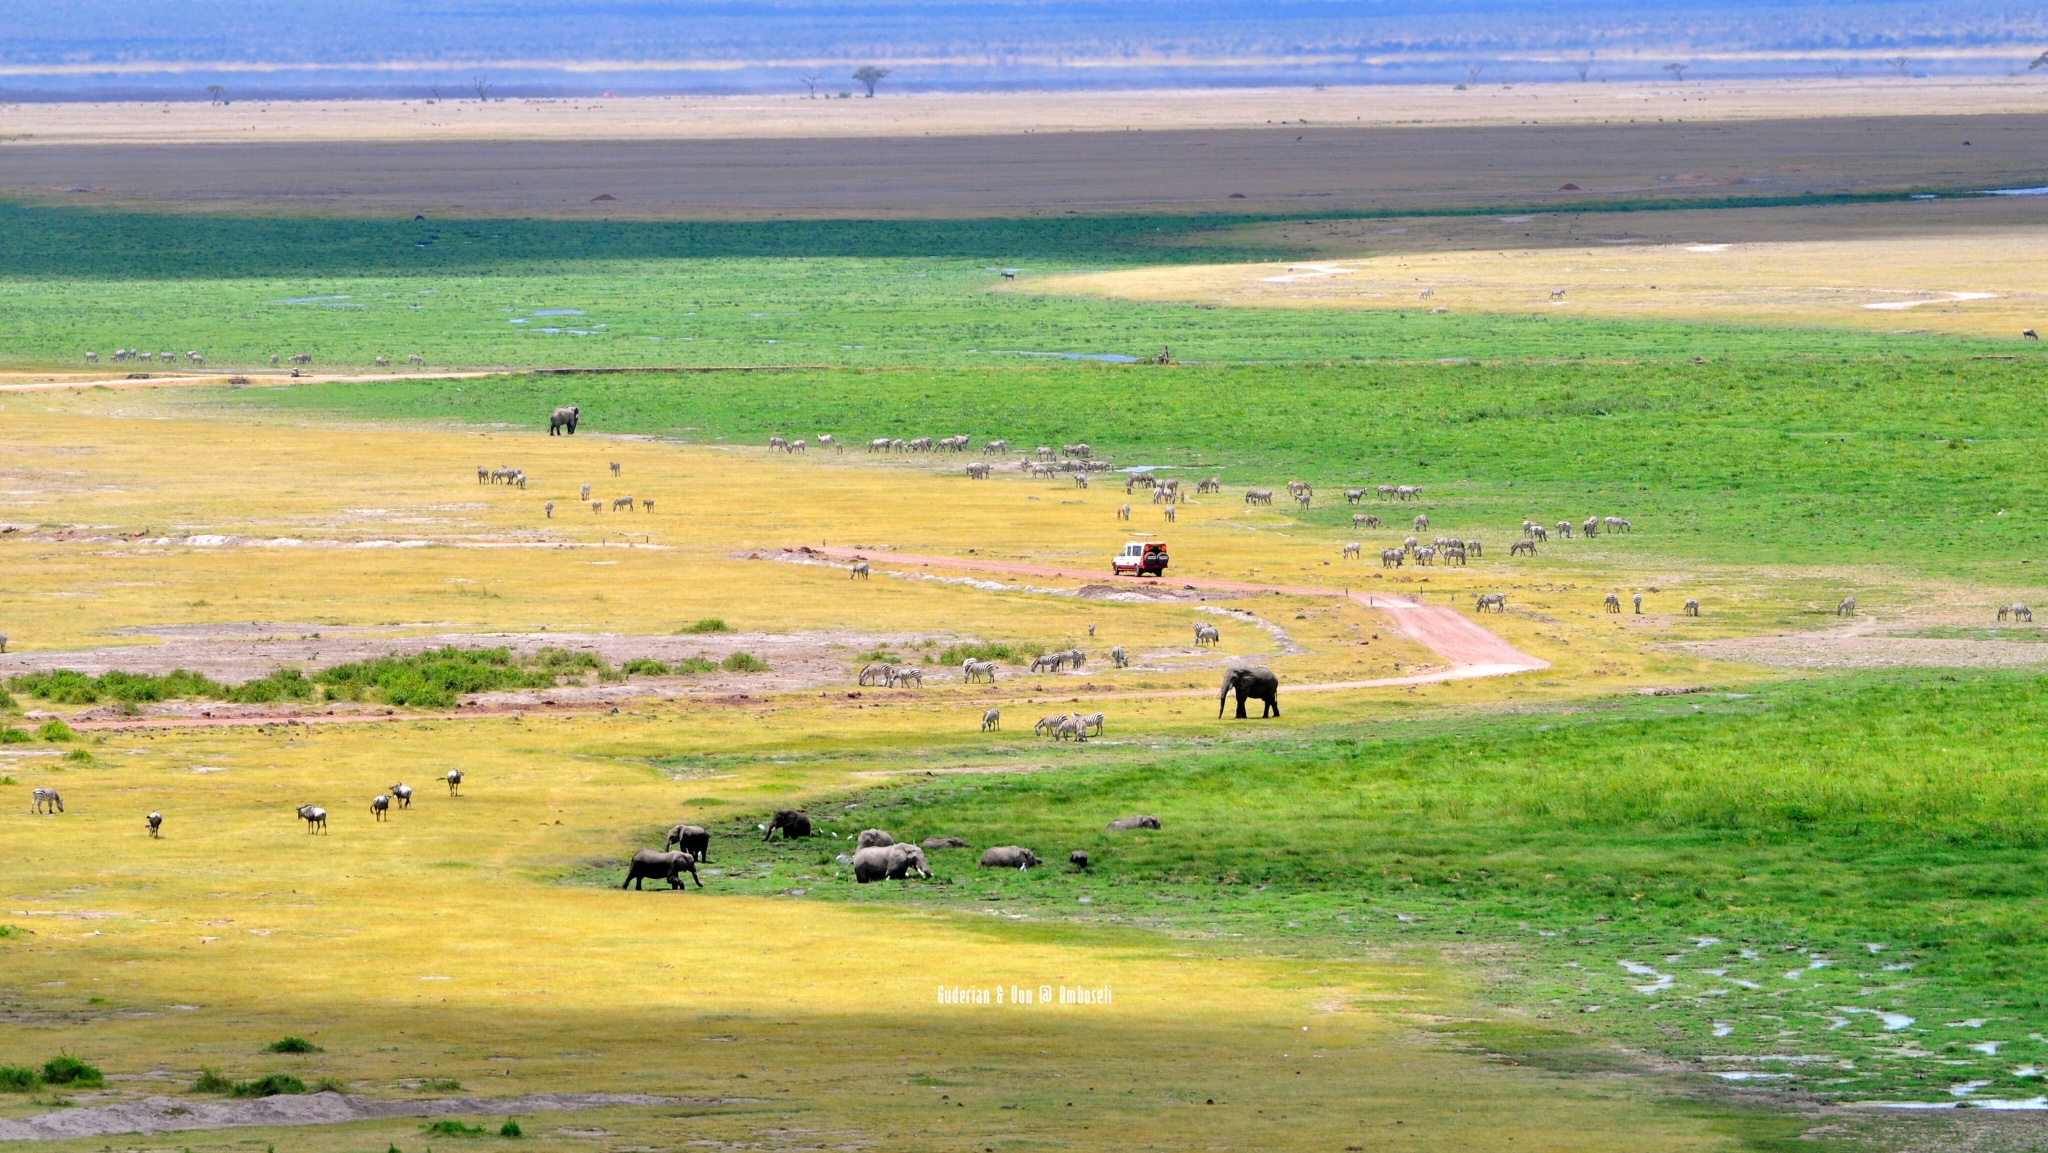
x,y
102,49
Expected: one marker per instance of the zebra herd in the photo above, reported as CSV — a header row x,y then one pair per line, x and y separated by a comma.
x,y
1612,603
506,475
1076,725
884,674
139,355
1449,549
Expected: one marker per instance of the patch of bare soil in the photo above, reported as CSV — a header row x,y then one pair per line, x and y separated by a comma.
x,y
236,652
167,1114
1858,646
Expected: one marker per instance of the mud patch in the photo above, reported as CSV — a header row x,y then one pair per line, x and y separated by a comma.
x,y
1840,651
166,1114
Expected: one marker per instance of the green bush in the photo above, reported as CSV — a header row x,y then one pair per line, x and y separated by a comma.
x,y
689,665
449,1127
80,756
66,687
435,679
56,731
18,1079
645,667
212,1080
510,1129
65,1069
744,663
707,625
441,1085
330,1085
13,736
269,1085
1009,652
6,701
291,1045
280,685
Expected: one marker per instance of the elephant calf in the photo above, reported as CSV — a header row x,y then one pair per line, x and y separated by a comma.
x,y
692,839
1008,857
668,867
944,843
891,862
873,839
792,823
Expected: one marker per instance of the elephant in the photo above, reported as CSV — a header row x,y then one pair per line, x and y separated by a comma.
x,y
792,822
873,839
943,843
1008,857
692,839
563,418
668,867
890,862
1124,824
1259,684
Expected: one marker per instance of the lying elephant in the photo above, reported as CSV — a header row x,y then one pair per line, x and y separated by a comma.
x,y
1123,823
1008,857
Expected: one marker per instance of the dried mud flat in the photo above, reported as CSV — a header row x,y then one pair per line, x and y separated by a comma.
x,y
168,1114
232,653
1859,646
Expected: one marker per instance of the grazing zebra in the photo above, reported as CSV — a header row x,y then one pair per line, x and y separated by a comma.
x,y
380,806
1117,659
1538,532
1692,608
825,439
1049,662
2023,613
302,358
905,676
1454,553
992,721
597,506
1208,634
1212,484
483,475
977,471
1615,523
859,570
623,501
45,801
402,793
1847,608
380,362
1474,547
1639,604
1408,546
879,444
1425,555
1093,721
1123,512
1080,480
454,782
1351,549
417,359
877,674
1353,495
586,493
1049,726
155,821
1258,496
1498,602
972,670
92,358
1392,557
1522,546
1612,603
776,442
314,816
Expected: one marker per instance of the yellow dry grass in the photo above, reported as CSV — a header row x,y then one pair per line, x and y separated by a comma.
x,y
1976,283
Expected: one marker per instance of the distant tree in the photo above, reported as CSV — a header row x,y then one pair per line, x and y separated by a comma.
x,y
216,94
2038,61
868,76
483,88
1677,70
810,82
1900,65
1841,68
1472,74
1582,67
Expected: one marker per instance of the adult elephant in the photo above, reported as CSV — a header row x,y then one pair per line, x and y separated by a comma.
x,y
1256,684
563,418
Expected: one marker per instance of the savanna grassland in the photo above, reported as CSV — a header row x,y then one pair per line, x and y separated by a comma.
x,y
1644,897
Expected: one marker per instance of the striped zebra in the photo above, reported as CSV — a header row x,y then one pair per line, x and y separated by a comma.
x,y
1118,659
859,571
1208,634
992,720
972,670
44,801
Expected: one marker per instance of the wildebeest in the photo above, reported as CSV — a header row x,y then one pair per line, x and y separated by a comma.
x,y
1208,635
889,863
1847,608
1118,659
1498,602
45,801
992,720
454,782
314,816
155,821
792,823
692,839
1612,603
379,806
668,867
1008,857
1692,608
873,839
402,793
1124,824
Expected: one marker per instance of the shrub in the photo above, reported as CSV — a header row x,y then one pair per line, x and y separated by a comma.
x,y
6,701
510,1129
65,687
65,1069
434,679
1011,652
441,1085
707,625
269,1085
744,663
13,736
56,731
689,665
449,1127
330,1085
561,661
291,1045
645,667
212,1080
79,755
14,930
18,1079
280,685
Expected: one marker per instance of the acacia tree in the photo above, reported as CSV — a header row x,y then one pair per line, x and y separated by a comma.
x,y
1900,65
810,82
216,94
483,88
1582,67
869,76
1677,70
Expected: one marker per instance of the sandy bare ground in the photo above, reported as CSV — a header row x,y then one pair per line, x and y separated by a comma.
x,y
977,114
1469,650
169,1114
1324,166
1857,645
53,382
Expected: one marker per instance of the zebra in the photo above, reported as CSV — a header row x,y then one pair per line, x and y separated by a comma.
x,y
977,471
878,674
1123,512
416,359
1422,523
155,821
972,670
825,440
597,506
1091,721
1454,553
1049,726
1080,480
92,358
454,782
1639,604
380,805
1408,546
1474,547
2022,613
1304,498
1591,527
1564,529
483,475
859,571
1692,608
1049,662
1522,546
905,676
1425,555
1615,524
992,720
1847,608
314,816
380,362
1207,634
1353,495
1612,603
776,442
1117,659
1386,491
1258,496
586,493
1351,550
1392,557
1172,514
1498,602
301,358
402,793
995,448
647,504
1364,520
42,801
626,501
550,507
